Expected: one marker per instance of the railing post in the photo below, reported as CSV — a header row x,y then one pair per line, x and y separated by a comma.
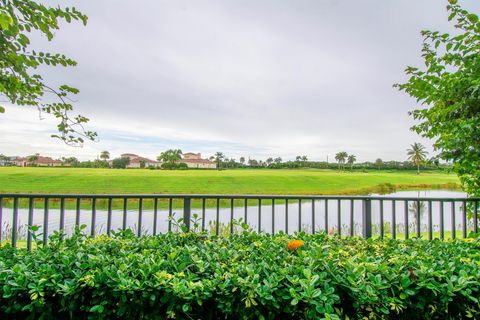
x,y
1,219
15,222
140,214
187,210
45,220
77,213
31,205
475,215
94,216
367,218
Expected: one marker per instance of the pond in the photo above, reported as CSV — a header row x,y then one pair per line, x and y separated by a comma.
x,y
318,215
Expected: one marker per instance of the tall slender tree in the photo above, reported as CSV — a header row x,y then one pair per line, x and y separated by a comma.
x,y
219,156
417,155
351,160
341,157
105,155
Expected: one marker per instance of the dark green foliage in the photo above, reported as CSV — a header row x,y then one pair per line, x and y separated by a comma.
x,y
171,156
91,164
246,276
447,90
20,83
174,166
120,163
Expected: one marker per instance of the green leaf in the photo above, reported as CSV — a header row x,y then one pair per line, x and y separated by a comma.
x,y
473,18
98,308
5,20
2,109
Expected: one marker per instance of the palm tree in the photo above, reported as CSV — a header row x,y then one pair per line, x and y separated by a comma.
x,y
341,157
170,156
269,161
304,158
33,158
351,160
242,160
417,155
219,156
277,160
105,155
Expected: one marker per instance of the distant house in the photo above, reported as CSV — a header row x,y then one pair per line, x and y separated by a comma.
x,y
136,161
21,162
39,162
194,160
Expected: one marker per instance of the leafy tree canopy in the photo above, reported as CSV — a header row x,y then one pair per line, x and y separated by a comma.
x,y
20,82
120,163
417,154
351,159
447,90
105,155
171,156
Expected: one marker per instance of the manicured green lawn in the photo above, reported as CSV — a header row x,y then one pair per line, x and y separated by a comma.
x,y
240,181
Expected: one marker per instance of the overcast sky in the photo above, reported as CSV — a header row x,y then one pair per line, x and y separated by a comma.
x,y
249,78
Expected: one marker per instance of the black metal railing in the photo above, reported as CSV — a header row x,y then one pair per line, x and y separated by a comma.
x,y
223,214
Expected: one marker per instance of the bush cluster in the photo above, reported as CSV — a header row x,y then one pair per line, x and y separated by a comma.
x,y
174,166
243,276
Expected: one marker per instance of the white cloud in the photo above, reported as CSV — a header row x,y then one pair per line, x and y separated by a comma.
x,y
252,78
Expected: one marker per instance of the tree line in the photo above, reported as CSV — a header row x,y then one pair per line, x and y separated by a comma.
x,y
417,158
171,159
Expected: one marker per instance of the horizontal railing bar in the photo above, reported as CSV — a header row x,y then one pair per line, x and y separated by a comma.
x,y
228,196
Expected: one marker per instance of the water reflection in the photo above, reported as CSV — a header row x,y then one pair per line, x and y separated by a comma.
x,y
306,215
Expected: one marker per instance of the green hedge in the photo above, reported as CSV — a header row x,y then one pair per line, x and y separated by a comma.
x,y
246,276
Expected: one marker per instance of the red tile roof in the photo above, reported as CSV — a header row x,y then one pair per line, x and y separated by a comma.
x,y
140,159
197,161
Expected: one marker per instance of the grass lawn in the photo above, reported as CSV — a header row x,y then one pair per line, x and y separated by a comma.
x,y
240,181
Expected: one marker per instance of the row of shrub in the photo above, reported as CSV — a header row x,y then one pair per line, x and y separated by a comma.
x,y
243,276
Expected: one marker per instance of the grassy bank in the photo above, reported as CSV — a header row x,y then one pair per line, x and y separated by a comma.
x,y
302,181
242,181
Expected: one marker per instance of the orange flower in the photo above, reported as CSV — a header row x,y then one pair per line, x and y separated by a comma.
x,y
295,244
